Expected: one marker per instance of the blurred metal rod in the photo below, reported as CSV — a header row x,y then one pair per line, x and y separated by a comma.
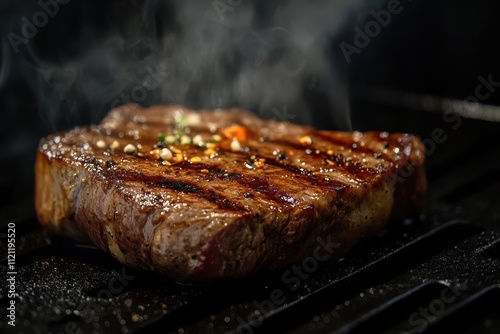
x,y
429,103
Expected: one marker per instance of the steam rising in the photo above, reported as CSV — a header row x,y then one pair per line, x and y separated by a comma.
x,y
264,57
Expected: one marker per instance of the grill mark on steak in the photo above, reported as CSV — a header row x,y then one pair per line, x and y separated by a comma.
x,y
348,143
207,194
310,177
351,169
264,186
181,187
261,185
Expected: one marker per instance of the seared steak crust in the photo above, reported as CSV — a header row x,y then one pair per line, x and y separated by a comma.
x,y
222,209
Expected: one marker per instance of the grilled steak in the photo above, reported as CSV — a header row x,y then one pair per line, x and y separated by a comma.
x,y
203,195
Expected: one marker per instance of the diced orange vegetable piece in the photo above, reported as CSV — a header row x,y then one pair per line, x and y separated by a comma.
x,y
236,131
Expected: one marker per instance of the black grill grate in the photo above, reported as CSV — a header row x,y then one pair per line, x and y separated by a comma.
x,y
434,273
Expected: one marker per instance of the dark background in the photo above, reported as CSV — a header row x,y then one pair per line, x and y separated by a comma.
x,y
436,47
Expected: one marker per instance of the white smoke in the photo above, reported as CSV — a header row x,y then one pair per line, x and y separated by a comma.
x,y
208,54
